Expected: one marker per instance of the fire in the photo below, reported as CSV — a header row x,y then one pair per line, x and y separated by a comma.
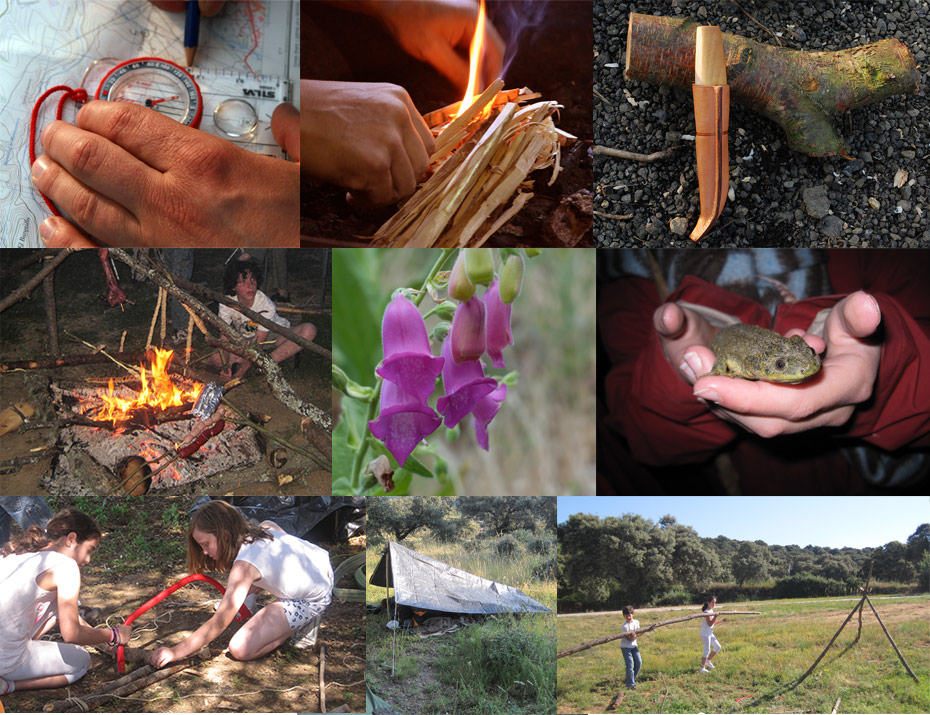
x,y
474,60
154,458
159,392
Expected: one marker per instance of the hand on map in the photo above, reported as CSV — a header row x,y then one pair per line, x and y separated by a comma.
x,y
365,137
208,8
129,176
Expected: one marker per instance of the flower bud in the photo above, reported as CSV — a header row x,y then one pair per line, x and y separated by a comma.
x,y
511,279
340,379
531,252
479,265
460,288
446,309
497,332
468,336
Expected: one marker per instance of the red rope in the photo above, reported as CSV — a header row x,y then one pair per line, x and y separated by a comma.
x,y
78,95
120,655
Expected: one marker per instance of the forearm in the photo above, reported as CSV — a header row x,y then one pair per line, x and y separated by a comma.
x,y
201,637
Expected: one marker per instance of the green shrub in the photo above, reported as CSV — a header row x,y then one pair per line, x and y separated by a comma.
x,y
542,545
507,545
675,597
805,585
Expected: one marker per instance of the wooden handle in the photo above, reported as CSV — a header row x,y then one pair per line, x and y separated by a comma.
x,y
710,67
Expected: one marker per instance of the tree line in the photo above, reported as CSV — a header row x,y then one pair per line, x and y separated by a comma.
x,y
605,563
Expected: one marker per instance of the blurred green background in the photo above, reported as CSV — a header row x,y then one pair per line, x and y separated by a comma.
x,y
543,439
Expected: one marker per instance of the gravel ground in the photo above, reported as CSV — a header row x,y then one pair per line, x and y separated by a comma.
x,y
778,196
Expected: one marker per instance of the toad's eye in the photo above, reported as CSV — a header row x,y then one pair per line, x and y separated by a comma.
x,y
780,364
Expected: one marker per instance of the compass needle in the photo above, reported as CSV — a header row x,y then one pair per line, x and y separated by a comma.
x,y
157,84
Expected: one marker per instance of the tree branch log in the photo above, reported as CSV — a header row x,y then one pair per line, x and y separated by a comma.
x,y
24,290
69,360
891,640
802,92
820,657
640,631
279,386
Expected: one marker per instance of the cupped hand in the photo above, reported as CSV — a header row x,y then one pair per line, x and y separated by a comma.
x,y
684,334
129,176
160,657
846,378
368,138
433,31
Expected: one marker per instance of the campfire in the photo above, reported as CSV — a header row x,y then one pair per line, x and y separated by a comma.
x,y
486,147
139,433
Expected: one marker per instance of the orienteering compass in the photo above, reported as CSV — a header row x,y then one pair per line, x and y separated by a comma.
x,y
157,84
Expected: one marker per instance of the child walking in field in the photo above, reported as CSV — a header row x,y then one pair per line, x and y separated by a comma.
x,y
629,648
711,644
40,577
261,557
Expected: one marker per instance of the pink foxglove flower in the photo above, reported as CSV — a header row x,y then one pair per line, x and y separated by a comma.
x,y
464,384
468,335
498,333
403,421
408,360
484,412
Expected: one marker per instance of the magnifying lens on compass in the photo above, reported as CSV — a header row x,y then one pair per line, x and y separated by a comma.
x,y
157,84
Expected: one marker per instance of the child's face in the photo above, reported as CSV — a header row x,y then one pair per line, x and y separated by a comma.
x,y
207,542
629,617
246,287
83,550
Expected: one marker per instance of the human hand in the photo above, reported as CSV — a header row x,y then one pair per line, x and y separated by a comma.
x,y
129,176
125,633
432,30
368,138
208,8
160,657
682,332
827,400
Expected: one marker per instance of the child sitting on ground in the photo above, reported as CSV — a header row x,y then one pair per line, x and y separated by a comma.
x,y
241,281
261,557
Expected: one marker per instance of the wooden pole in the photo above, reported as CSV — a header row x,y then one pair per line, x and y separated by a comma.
x,y
69,360
640,631
51,314
893,644
322,679
820,657
862,603
25,289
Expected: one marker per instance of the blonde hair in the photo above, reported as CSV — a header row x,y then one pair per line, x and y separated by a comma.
x,y
231,530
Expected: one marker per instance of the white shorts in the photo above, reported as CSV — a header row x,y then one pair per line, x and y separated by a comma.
x,y
44,658
710,643
301,611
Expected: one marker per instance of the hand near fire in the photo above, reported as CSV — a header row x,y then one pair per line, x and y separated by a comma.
x,y
129,176
366,137
433,31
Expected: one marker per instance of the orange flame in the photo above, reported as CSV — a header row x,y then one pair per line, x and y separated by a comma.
x,y
160,392
474,60
154,459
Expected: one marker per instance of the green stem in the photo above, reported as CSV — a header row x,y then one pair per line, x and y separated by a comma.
x,y
376,396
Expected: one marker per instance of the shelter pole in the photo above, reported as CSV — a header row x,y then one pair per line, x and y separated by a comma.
x,y
820,657
893,645
862,603
389,579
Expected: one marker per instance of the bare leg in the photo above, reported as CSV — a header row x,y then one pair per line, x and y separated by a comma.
x,y
285,348
261,634
48,681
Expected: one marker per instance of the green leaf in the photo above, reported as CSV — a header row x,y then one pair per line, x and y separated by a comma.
x,y
347,438
358,304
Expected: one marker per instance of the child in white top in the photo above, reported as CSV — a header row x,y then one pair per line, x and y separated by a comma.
x,y
220,538
40,577
711,644
630,649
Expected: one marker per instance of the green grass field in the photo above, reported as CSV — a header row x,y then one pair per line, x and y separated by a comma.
x,y
501,666
762,657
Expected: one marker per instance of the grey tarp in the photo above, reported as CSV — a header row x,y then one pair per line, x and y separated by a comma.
x,y
422,582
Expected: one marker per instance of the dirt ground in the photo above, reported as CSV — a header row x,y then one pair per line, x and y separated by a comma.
x,y
82,312
285,680
551,57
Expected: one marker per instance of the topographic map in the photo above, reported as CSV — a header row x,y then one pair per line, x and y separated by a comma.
x,y
46,43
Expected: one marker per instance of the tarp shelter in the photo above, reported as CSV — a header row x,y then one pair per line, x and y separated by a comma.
x,y
425,583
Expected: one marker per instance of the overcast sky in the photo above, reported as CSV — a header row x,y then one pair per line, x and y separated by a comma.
x,y
818,521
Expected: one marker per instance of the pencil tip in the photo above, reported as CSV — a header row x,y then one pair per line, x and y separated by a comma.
x,y
189,53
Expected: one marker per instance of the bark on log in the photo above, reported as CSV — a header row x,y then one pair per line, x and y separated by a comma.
x,y
891,640
68,361
51,314
802,92
640,631
24,290
862,603
198,289
279,386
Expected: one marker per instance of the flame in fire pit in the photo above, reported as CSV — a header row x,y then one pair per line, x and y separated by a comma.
x,y
158,392
474,59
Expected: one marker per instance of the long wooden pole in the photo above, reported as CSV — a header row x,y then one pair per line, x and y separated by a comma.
x,y
862,602
893,644
640,631
25,289
820,657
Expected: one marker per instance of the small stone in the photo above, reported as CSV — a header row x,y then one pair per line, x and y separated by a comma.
x,y
905,206
815,201
788,184
866,157
678,226
626,198
673,137
832,226
874,203
908,153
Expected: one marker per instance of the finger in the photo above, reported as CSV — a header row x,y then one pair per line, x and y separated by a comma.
x,y
757,398
98,215
860,314
98,163
696,362
58,233
420,126
448,63
417,154
170,5
153,138
669,320
402,176
285,126
379,191
211,8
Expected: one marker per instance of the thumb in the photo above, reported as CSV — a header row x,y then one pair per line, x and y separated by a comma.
x,y
58,233
860,314
285,125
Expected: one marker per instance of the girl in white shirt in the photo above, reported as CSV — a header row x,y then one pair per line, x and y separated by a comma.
x,y
220,539
40,577
711,644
